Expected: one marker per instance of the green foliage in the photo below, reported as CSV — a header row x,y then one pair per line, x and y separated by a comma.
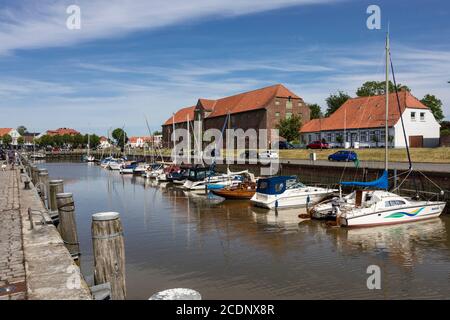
x,y
316,112
157,133
335,101
376,88
120,136
289,128
22,130
435,106
6,139
445,133
20,141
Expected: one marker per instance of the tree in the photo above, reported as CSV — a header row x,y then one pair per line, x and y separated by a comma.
x,y
22,130
435,106
94,141
289,128
6,139
45,141
120,136
335,101
78,140
157,133
376,88
20,141
316,112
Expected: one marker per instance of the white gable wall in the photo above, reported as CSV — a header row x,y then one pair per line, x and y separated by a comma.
x,y
427,127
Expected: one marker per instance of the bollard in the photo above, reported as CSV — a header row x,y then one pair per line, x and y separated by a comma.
x,y
43,184
109,252
55,187
68,224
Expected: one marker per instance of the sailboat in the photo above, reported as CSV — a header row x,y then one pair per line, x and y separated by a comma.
x,y
375,205
89,157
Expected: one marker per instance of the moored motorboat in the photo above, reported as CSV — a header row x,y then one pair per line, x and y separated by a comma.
x,y
286,191
128,168
242,191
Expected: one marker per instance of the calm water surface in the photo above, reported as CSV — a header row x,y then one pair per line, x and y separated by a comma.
x,y
231,250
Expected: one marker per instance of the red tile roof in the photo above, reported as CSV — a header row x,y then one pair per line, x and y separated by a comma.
x,y
365,112
62,131
4,131
182,115
247,101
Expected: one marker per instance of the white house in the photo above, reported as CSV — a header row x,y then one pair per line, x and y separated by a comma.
x,y
15,135
104,143
140,142
361,121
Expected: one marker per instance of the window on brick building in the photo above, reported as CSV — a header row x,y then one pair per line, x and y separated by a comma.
x,y
288,115
277,102
277,114
288,104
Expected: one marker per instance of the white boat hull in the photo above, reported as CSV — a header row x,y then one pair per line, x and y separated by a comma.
x,y
288,200
394,216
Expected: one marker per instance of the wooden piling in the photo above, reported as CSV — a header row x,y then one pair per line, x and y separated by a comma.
x,y
109,252
55,187
33,171
68,224
44,185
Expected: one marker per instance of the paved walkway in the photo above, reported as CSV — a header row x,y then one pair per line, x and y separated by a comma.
x,y
12,269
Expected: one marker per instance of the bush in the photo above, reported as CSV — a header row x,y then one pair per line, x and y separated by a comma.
x,y
445,133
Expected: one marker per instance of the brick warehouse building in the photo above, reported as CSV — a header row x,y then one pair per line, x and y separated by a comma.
x,y
257,109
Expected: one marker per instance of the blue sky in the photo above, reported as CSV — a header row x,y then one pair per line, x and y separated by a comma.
x,y
137,59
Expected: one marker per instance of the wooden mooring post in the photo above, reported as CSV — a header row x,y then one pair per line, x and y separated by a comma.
x,y
109,252
43,185
55,187
67,223
33,173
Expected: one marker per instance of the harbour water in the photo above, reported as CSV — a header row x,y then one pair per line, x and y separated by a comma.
x,y
230,250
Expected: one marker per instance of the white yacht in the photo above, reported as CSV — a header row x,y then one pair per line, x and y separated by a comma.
x,y
286,191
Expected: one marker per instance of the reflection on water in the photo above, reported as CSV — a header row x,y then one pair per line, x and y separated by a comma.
x,y
231,250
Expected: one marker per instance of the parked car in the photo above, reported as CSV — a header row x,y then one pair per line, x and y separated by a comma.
x,y
283,145
343,156
317,145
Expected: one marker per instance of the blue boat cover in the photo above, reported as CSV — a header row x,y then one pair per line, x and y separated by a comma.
x,y
274,185
380,183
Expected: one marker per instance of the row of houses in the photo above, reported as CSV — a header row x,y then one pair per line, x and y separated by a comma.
x,y
30,137
359,122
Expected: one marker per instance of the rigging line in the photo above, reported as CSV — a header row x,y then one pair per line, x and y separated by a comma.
x,y
437,186
398,187
403,124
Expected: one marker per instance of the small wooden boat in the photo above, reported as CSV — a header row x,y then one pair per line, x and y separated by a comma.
x,y
243,191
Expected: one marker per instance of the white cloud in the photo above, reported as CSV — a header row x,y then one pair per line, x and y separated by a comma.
x,y
41,24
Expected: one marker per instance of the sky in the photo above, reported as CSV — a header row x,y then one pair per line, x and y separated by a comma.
x,y
144,59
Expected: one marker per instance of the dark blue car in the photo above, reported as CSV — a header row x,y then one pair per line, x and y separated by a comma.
x,y
343,156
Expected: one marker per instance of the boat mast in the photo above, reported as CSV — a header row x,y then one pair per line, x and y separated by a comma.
x,y
188,138
386,134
